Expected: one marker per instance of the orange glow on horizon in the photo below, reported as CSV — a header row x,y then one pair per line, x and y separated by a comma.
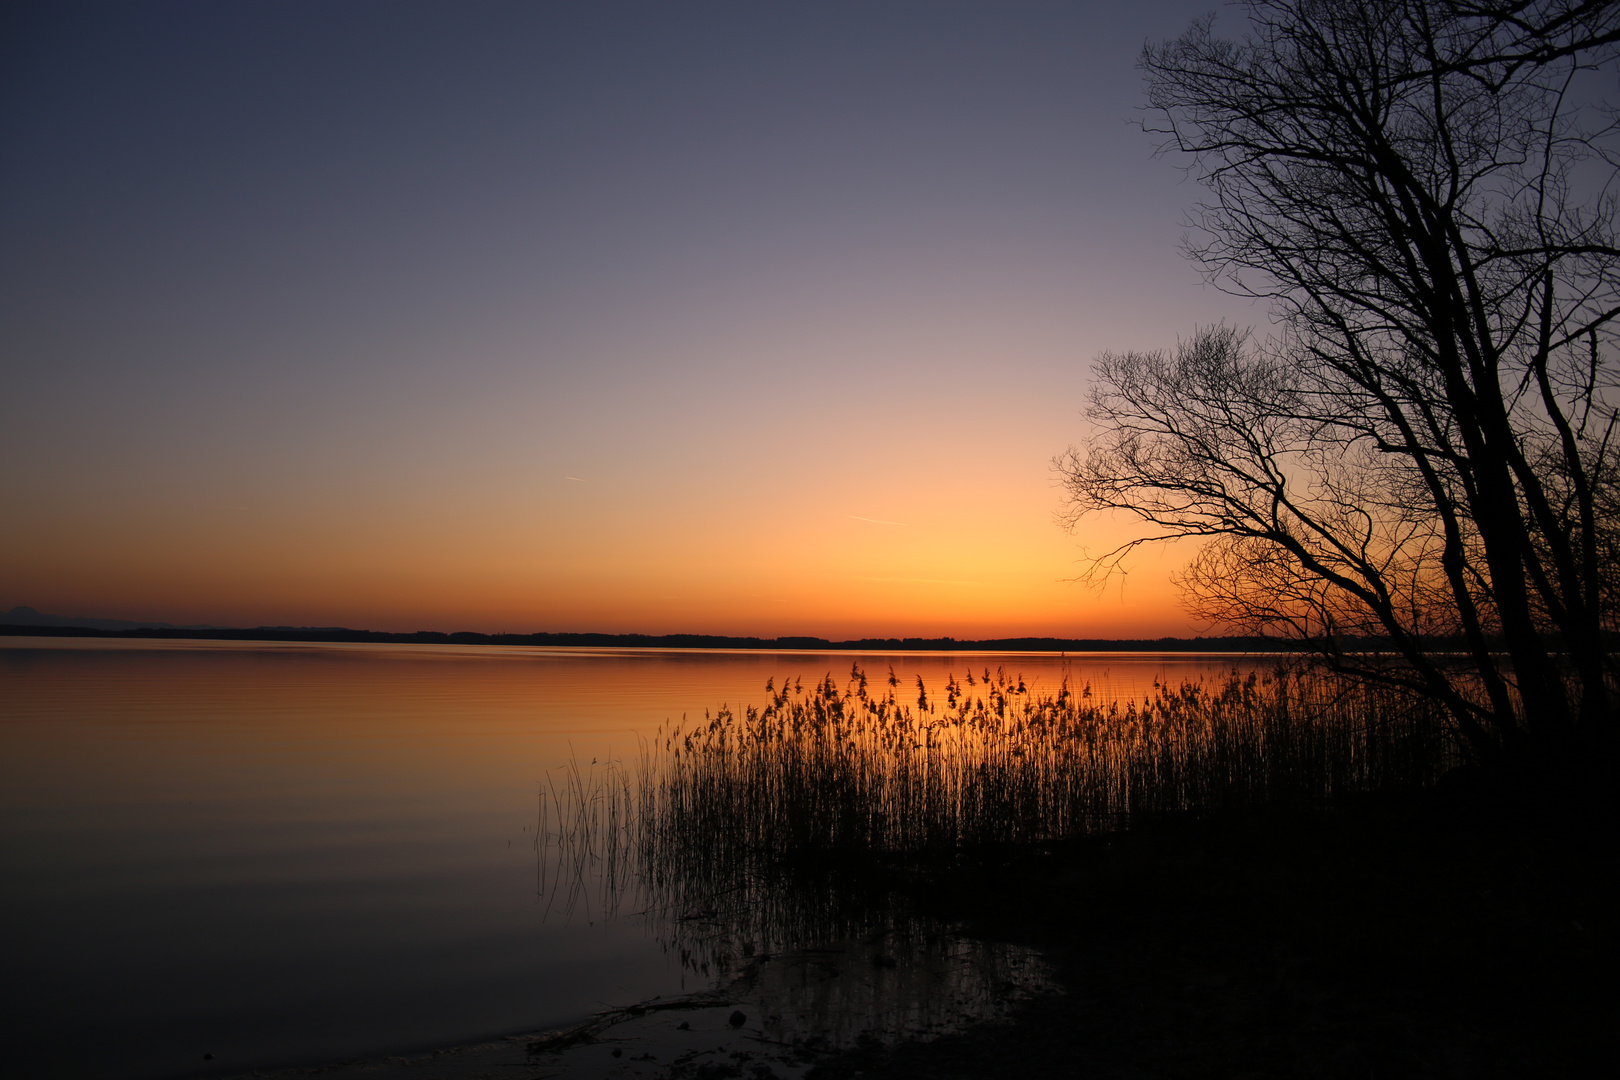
x,y
747,326
839,565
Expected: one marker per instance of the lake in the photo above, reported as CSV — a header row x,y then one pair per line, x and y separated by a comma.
x,y
277,854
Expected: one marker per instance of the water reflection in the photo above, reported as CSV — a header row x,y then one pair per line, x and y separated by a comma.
x,y
920,981
783,1014
296,853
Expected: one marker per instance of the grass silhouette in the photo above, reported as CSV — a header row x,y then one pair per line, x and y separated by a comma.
x,y
749,830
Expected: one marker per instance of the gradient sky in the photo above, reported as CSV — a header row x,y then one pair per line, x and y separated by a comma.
x,y
728,318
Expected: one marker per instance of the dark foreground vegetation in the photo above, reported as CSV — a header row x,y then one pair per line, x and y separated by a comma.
x,y
842,776
1284,874
1387,937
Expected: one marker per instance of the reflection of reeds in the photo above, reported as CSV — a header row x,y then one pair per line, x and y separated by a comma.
x,y
586,837
824,783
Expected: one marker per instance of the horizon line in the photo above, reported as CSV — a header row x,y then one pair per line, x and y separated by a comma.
x,y
784,642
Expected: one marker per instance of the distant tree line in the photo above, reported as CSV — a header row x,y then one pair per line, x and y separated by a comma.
x,y
339,634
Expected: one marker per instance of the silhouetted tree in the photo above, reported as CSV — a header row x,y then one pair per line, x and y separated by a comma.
x,y
1425,453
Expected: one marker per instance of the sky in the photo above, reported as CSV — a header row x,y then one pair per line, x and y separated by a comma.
x,y
754,319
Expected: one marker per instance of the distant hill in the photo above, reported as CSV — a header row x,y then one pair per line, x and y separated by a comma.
x,y
27,616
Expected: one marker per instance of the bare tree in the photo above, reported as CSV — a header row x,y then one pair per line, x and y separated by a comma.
x,y
1425,456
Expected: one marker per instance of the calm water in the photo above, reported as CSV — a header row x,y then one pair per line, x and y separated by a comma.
x,y
278,854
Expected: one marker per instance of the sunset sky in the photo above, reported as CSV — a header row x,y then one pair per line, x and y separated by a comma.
x,y
666,317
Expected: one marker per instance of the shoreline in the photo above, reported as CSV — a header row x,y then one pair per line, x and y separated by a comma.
x,y
1396,936
765,1022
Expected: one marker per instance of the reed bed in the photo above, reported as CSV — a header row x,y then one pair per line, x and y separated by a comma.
x,y
992,762
825,781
